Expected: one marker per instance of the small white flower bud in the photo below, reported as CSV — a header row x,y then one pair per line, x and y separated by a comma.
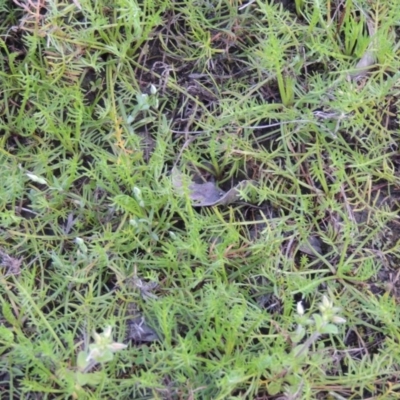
x,y
326,303
300,308
153,89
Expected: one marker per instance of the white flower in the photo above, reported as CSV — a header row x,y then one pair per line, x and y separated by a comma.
x,y
338,320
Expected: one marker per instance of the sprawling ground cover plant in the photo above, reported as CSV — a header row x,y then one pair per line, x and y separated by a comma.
x,y
199,199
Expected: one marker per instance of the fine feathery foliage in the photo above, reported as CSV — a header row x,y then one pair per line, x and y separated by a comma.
x,y
121,278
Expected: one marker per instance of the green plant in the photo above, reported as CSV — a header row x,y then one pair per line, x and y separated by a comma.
x,y
101,105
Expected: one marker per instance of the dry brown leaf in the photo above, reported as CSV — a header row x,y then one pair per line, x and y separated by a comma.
x,y
311,246
12,265
205,194
368,59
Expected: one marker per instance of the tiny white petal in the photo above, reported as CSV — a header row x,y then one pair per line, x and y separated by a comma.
x,y
300,308
107,332
95,353
97,337
117,346
326,302
137,192
36,178
338,320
